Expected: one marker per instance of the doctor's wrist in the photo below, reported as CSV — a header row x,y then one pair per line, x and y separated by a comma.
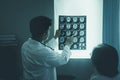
x,y
55,37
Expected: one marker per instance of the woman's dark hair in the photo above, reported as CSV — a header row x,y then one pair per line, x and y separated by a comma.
x,y
105,59
39,25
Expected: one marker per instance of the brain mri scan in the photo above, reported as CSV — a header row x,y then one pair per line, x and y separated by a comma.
x,y
76,26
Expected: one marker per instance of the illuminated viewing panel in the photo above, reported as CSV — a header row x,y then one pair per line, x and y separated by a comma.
x,y
76,26
81,18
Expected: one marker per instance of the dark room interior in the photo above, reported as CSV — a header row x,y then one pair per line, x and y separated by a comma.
x,y
14,25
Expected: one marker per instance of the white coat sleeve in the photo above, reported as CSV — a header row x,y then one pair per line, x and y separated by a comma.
x,y
52,43
55,59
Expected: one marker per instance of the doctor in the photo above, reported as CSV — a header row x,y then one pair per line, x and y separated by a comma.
x,y
39,59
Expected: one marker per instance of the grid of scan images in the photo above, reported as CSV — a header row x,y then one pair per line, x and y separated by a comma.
x,y
76,26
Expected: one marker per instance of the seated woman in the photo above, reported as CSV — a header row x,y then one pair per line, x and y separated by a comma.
x,y
105,59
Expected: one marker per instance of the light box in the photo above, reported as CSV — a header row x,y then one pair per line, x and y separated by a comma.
x,y
81,18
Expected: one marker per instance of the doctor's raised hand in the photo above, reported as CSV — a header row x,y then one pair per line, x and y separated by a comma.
x,y
68,41
57,34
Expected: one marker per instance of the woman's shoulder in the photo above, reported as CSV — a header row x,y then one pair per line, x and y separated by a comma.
x,y
117,77
100,77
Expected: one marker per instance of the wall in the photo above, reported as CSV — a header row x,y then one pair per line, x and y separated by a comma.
x,y
15,15
111,26
14,19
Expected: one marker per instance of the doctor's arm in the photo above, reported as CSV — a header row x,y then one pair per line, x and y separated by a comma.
x,y
53,43
56,59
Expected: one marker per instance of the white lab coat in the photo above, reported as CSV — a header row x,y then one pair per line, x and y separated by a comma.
x,y
40,61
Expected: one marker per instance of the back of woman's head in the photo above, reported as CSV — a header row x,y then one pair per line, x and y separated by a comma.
x,y
105,59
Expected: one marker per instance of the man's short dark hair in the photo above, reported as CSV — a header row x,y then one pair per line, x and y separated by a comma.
x,y
39,25
105,59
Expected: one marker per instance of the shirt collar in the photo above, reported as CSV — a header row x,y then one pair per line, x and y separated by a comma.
x,y
34,41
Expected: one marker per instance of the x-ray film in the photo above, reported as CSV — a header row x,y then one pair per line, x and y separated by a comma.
x,y
73,25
